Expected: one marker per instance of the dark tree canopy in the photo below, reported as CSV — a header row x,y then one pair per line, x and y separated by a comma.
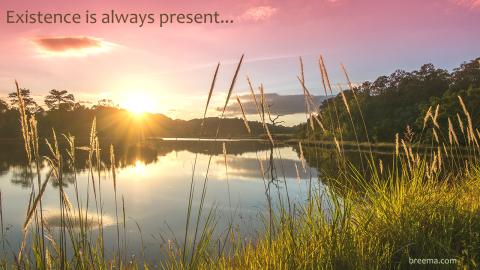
x,y
59,100
106,103
391,103
28,100
3,106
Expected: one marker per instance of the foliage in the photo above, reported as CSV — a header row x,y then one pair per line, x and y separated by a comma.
x,y
59,100
30,105
390,103
3,106
425,204
114,122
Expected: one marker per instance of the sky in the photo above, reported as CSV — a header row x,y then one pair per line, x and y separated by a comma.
x,y
169,69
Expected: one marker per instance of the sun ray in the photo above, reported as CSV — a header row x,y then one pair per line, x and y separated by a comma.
x,y
139,104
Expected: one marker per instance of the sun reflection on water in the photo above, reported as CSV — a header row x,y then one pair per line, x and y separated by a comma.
x,y
137,171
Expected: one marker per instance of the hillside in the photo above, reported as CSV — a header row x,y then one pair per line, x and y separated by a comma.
x,y
118,123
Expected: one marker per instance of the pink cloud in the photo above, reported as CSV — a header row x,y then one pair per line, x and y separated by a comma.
x,y
473,4
260,13
71,46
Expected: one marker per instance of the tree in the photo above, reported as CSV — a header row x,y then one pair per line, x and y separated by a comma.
x,y
59,100
388,104
105,103
79,106
30,104
467,75
3,106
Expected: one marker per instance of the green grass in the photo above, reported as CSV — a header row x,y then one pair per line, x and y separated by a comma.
x,y
424,205
379,228
392,220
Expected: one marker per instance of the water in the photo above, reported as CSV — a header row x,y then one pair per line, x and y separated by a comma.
x,y
155,183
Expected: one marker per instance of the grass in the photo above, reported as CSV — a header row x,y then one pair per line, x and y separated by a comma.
x,y
381,230
424,205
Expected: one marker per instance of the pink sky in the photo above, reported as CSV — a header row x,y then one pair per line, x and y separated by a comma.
x,y
172,66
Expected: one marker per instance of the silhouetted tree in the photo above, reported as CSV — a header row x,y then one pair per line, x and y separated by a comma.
x,y
59,100
3,106
79,106
30,104
388,105
108,103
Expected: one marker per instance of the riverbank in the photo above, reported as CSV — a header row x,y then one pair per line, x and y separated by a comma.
x,y
388,225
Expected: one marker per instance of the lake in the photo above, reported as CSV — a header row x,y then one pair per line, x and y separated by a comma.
x,y
155,183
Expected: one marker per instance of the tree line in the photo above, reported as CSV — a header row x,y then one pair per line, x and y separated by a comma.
x,y
391,104
65,115
398,103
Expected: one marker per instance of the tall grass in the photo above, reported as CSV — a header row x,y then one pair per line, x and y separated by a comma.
x,y
47,247
425,204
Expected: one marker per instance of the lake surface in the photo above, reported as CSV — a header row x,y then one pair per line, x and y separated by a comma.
x,y
155,183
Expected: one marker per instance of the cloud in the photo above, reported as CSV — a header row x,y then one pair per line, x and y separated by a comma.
x,y
246,168
71,46
280,104
472,4
260,13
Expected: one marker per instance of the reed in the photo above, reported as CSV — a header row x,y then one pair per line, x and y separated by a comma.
x,y
192,183
425,205
2,232
244,117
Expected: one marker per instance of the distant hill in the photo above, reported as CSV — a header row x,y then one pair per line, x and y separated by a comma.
x,y
118,123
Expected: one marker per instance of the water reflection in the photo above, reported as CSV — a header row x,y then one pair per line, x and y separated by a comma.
x,y
91,220
243,159
247,167
12,153
22,176
154,179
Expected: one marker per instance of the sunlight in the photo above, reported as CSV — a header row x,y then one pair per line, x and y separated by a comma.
x,y
139,103
139,167
137,171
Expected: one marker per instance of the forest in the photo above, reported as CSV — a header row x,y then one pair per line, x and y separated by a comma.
x,y
391,104
398,103
68,116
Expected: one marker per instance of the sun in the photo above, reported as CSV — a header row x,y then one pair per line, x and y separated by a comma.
x,y
139,103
